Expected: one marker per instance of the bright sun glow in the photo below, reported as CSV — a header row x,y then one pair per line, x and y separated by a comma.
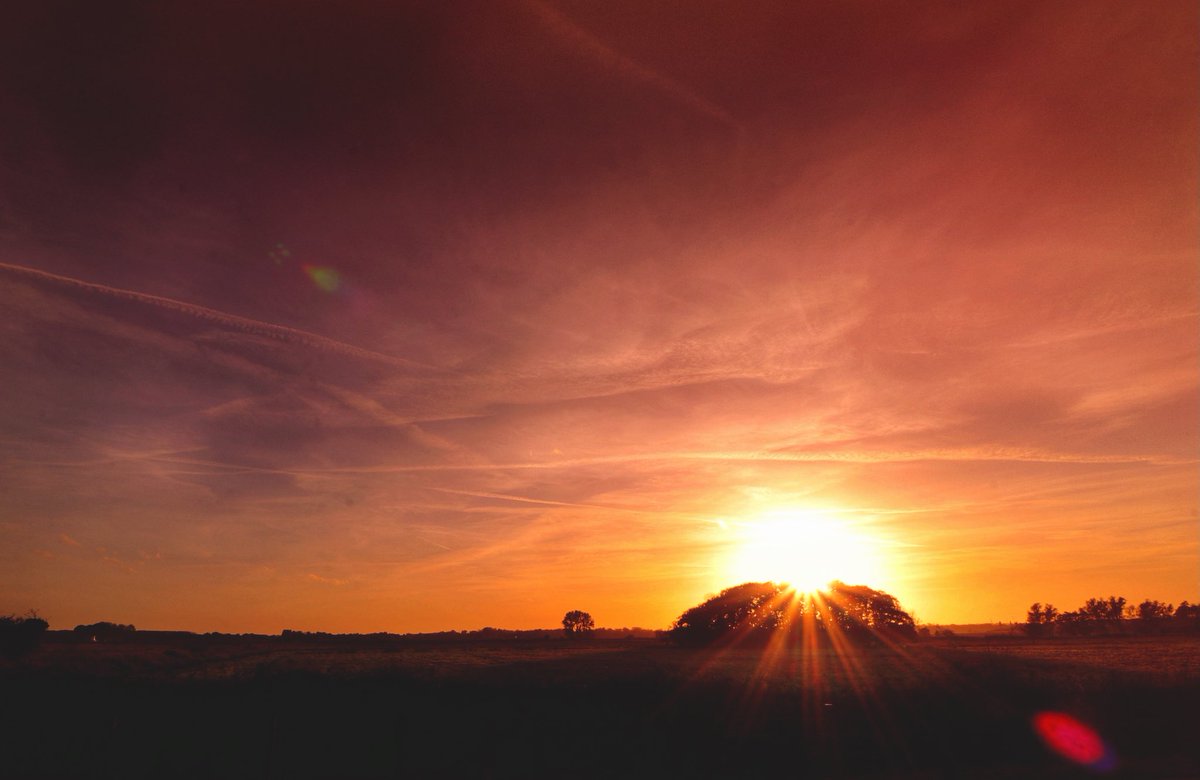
x,y
805,548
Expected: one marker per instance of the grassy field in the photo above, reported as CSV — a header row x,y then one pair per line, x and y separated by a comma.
x,y
266,708
1164,658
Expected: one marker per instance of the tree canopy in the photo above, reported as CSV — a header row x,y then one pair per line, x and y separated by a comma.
x,y
21,634
577,624
104,631
762,609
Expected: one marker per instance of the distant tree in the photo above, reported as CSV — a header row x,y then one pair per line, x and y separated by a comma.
x,y
578,624
1076,623
21,634
1039,620
1152,616
1113,615
1034,616
1109,609
1153,610
1187,617
1099,615
104,631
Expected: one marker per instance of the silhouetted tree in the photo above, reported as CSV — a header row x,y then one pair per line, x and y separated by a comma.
x,y
104,631
1073,623
1096,615
1153,616
1109,609
759,609
1187,617
741,610
1151,609
1034,615
21,634
578,624
858,609
1039,620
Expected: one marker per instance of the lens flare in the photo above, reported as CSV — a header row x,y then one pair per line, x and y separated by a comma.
x,y
279,253
1073,740
327,279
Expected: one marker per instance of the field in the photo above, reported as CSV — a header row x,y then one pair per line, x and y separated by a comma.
x,y
1174,659
262,707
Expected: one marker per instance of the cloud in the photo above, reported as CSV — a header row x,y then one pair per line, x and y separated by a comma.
x,y
624,67
225,320
325,580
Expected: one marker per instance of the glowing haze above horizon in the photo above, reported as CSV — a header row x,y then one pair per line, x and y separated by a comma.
x,y
417,316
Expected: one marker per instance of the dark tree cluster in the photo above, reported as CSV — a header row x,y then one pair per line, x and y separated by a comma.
x,y
104,631
21,634
578,624
762,610
1112,615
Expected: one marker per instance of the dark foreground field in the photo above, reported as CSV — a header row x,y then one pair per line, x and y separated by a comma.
x,y
228,707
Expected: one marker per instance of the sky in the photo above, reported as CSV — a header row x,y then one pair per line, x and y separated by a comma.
x,y
402,316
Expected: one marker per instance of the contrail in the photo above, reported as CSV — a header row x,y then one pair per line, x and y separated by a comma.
x,y
1011,456
591,46
547,502
244,324
519,499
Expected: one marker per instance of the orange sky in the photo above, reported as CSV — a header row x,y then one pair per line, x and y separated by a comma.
x,y
356,317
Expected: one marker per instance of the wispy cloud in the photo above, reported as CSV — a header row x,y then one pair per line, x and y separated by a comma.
x,y
624,67
334,581
224,319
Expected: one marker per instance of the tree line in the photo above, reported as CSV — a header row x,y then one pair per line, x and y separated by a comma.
x,y
1112,615
752,611
20,634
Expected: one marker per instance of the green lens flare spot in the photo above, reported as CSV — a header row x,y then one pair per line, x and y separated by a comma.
x,y
327,279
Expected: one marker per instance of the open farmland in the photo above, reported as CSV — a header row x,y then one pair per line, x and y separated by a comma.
x,y
262,707
1165,658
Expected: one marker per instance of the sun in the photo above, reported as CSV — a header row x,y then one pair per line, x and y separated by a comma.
x,y
805,548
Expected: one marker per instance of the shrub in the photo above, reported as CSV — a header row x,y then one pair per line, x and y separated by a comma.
x,y
20,635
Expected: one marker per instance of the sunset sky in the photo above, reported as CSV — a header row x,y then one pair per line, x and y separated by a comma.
x,y
372,315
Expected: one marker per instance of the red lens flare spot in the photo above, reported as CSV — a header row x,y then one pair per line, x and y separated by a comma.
x,y
1073,740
